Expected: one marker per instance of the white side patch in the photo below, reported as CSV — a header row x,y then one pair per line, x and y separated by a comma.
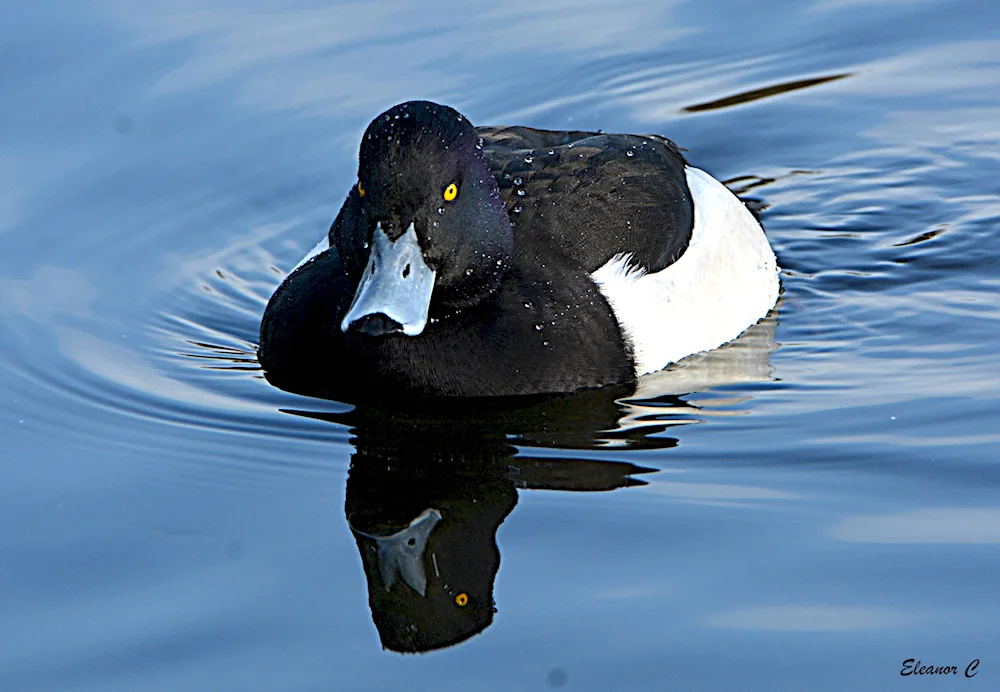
x,y
321,246
725,281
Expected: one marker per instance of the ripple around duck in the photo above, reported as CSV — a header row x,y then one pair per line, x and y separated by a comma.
x,y
196,365
194,370
885,250
193,365
207,345
194,362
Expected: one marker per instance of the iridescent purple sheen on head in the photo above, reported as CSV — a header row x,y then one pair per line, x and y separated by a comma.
x,y
409,156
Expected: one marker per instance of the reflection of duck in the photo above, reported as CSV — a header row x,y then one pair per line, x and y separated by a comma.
x,y
428,549
425,515
512,261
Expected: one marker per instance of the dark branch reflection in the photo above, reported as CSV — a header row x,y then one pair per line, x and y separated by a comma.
x,y
764,92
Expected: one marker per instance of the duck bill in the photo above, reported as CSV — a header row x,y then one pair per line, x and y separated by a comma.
x,y
396,284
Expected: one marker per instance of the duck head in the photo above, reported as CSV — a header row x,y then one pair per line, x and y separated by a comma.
x,y
439,234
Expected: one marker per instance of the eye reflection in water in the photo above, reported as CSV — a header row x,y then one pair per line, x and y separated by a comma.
x,y
427,490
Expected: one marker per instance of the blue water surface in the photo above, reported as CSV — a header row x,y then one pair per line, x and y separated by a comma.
x,y
805,509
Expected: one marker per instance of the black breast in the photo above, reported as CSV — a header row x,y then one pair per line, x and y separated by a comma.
x,y
547,329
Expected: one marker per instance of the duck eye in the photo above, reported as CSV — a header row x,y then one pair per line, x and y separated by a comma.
x,y
461,600
361,189
450,193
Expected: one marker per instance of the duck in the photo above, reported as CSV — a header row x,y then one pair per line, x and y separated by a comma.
x,y
501,261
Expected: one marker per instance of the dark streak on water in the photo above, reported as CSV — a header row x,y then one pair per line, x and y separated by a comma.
x,y
804,509
763,92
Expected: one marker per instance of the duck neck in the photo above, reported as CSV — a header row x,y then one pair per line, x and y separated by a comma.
x,y
481,262
481,285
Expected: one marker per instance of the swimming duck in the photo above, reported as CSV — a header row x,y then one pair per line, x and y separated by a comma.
x,y
494,261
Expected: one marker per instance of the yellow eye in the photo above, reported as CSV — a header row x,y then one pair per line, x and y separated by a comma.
x,y
450,192
462,599
361,189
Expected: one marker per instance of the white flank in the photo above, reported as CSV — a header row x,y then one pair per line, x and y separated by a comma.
x,y
725,281
321,246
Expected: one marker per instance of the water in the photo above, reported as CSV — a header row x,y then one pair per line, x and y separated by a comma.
x,y
804,510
